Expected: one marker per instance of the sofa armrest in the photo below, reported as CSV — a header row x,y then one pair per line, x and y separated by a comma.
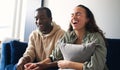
x,y
11,53
17,50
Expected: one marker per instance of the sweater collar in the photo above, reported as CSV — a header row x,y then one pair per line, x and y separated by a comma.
x,y
71,37
55,28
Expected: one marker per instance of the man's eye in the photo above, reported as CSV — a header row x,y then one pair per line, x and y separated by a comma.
x,y
36,18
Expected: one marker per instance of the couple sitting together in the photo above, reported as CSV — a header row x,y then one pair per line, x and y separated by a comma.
x,y
82,47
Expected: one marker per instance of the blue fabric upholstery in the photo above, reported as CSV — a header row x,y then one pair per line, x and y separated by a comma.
x,y
17,48
5,55
11,52
10,67
113,54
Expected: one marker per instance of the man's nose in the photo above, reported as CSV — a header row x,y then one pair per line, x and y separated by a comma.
x,y
38,21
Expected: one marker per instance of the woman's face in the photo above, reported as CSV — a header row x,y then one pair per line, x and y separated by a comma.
x,y
78,18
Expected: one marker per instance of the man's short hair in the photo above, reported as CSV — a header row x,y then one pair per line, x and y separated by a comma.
x,y
48,11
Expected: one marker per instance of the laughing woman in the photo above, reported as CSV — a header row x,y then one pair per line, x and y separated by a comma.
x,y
83,47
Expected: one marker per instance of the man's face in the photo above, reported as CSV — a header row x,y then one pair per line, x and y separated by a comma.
x,y
42,21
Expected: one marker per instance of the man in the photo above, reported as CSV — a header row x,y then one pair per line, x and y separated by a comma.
x,y
43,40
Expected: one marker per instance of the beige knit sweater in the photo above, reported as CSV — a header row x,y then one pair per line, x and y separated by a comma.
x,y
40,46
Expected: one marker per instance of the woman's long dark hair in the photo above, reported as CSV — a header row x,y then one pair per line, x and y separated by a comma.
x,y
91,24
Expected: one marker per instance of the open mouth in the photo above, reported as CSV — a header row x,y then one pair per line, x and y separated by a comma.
x,y
75,21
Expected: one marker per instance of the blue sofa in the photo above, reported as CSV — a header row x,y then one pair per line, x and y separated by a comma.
x,y
13,50
10,53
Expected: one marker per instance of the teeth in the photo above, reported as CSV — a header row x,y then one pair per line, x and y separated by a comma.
x,y
75,21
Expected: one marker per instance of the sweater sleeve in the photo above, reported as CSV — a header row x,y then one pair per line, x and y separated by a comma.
x,y
98,59
56,53
30,51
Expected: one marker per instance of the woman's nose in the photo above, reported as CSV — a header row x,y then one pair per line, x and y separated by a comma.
x,y
74,16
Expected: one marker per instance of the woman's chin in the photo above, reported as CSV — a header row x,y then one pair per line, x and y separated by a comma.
x,y
75,29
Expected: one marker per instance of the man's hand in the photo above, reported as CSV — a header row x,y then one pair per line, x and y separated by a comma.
x,y
22,61
35,66
20,64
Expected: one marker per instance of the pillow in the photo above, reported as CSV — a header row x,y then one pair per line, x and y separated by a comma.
x,y
76,52
17,50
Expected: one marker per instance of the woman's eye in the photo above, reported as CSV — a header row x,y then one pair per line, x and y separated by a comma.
x,y
78,14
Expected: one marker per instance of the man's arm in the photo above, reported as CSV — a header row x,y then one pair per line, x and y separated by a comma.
x,y
48,62
45,64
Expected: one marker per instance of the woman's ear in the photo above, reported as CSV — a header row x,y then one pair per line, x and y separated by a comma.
x,y
87,20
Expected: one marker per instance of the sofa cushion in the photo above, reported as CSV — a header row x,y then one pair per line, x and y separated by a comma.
x,y
17,50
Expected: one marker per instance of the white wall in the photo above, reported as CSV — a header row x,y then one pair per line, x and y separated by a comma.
x,y
106,12
7,13
31,6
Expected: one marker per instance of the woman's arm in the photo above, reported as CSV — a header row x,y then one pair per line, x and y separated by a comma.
x,y
98,59
65,64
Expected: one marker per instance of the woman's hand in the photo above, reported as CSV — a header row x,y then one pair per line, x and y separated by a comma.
x,y
63,64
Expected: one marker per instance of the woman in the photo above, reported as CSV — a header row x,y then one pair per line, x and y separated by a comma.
x,y
84,31
81,48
